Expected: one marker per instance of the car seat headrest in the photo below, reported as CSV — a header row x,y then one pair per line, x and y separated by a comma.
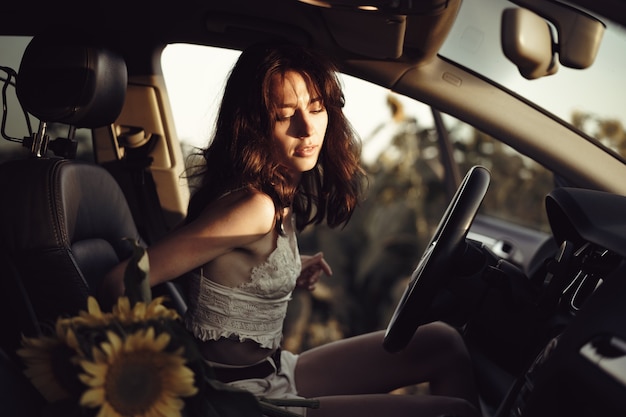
x,y
68,77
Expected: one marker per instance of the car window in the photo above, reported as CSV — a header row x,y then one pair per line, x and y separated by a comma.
x,y
16,125
518,184
195,77
400,148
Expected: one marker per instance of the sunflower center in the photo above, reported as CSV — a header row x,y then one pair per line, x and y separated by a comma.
x,y
134,382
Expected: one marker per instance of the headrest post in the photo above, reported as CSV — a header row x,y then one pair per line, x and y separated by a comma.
x,y
39,147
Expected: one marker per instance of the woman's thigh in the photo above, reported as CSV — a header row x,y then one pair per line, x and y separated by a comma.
x,y
360,365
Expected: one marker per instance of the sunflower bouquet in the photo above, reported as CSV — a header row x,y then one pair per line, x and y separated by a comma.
x,y
136,360
122,363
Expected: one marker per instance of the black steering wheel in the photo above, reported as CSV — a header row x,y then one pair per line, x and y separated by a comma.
x,y
434,269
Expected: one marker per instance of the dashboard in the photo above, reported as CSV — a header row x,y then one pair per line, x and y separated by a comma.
x,y
581,370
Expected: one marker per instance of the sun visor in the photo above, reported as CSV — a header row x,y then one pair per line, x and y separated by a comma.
x,y
369,34
389,30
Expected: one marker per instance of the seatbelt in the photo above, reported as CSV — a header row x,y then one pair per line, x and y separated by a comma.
x,y
132,173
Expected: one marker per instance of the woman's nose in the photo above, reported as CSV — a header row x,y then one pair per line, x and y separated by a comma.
x,y
304,125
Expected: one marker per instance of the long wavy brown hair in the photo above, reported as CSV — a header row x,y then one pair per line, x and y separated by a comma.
x,y
241,151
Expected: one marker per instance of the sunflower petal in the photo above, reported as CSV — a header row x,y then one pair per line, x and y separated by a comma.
x,y
93,397
93,307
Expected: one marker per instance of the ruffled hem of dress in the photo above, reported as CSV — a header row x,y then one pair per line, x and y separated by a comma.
x,y
201,333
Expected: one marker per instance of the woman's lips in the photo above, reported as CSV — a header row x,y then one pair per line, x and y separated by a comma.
x,y
305,151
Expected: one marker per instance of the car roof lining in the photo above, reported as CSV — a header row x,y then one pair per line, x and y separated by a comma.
x,y
236,23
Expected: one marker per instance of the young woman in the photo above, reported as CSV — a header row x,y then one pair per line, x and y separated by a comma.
x,y
284,156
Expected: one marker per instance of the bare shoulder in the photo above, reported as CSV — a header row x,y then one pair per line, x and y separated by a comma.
x,y
248,210
255,205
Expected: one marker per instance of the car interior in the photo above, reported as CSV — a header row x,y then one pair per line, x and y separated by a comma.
x,y
547,335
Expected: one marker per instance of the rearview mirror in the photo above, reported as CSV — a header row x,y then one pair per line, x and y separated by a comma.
x,y
527,42
579,34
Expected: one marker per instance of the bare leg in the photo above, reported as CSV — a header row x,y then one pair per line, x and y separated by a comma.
x,y
360,366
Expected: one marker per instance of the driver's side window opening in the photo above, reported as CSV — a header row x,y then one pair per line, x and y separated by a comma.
x,y
376,253
519,184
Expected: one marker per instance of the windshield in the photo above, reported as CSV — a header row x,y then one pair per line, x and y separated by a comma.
x,y
590,99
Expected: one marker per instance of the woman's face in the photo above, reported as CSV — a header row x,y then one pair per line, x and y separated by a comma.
x,y
301,121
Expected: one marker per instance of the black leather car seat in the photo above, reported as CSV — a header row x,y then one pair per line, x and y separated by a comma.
x,y
65,223
63,227
62,221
